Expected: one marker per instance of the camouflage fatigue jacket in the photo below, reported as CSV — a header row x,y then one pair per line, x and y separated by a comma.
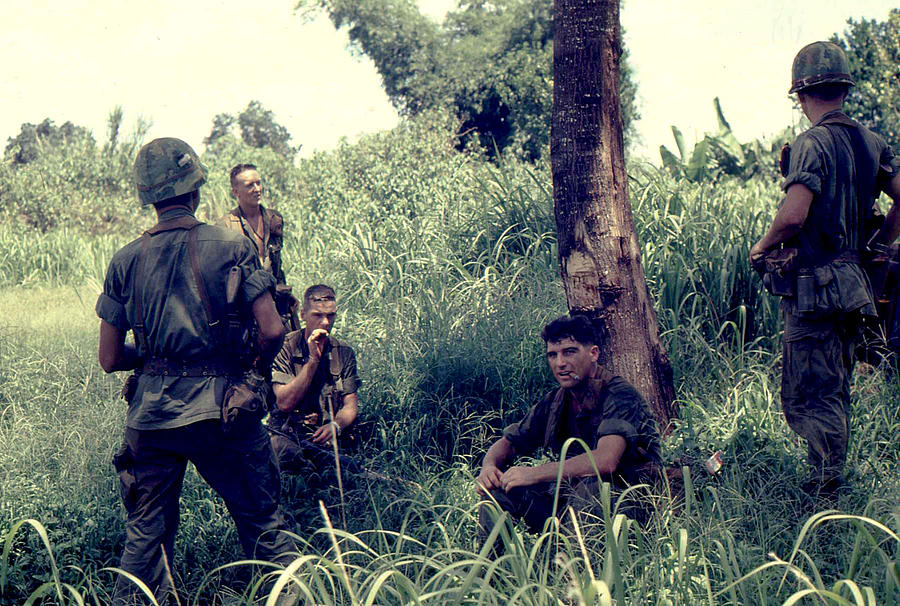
x,y
269,245
175,319
611,407
336,374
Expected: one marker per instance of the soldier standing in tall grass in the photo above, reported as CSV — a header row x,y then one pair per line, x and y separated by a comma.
x,y
170,288
814,248
265,229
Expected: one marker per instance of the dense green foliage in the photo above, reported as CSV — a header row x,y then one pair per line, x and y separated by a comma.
x,y
257,127
35,139
873,48
491,63
445,266
720,154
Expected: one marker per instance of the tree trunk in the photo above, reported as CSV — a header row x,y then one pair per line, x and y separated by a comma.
x,y
599,253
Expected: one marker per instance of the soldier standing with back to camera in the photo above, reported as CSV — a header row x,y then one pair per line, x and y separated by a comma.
x,y
833,174
169,288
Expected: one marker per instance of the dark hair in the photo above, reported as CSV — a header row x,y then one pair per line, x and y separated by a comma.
x,y
577,327
316,293
831,91
180,200
238,170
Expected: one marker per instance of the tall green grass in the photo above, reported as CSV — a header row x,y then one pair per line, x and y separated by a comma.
x,y
446,268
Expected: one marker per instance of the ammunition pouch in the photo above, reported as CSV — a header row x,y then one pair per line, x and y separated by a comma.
x,y
778,270
129,387
287,304
247,400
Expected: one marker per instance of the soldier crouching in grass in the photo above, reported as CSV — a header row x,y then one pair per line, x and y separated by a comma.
x,y
170,288
315,382
592,404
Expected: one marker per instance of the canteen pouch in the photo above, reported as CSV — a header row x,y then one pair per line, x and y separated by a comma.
x,y
806,292
246,401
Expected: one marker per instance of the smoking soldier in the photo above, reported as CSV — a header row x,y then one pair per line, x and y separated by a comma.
x,y
592,404
315,382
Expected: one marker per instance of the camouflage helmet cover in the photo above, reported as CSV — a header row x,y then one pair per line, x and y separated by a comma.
x,y
165,168
820,63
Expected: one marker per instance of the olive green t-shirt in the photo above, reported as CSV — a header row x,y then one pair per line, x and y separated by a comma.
x,y
338,371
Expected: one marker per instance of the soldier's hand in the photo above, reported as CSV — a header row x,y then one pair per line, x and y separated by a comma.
x,y
488,479
515,477
756,254
316,343
311,419
325,433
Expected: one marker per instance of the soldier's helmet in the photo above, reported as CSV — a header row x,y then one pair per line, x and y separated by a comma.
x,y
820,63
165,168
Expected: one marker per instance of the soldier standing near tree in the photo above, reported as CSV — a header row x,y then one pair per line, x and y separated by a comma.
x,y
815,247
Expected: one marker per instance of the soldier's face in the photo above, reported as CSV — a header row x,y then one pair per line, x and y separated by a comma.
x,y
320,314
247,188
570,361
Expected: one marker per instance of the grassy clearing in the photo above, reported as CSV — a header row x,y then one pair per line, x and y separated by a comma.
x,y
446,268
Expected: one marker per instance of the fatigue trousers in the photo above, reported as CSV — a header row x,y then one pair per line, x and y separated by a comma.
x,y
240,467
534,504
298,455
817,365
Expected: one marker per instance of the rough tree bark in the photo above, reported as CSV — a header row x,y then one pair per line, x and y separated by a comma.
x,y
599,252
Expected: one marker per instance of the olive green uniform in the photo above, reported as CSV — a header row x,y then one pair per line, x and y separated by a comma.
x,y
335,378
268,244
175,417
611,406
819,344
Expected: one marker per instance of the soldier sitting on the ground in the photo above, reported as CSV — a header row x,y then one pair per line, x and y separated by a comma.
x,y
592,404
315,383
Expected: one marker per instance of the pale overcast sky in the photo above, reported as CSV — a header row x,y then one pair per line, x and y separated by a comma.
x,y
180,62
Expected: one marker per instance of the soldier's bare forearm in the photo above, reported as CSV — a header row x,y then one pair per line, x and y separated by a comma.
x,y
499,454
113,353
288,395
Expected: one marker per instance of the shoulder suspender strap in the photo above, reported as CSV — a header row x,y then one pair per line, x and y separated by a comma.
x,y
336,367
140,331
201,284
865,174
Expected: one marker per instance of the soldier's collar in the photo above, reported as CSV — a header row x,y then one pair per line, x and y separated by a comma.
x,y
836,116
175,213
599,378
